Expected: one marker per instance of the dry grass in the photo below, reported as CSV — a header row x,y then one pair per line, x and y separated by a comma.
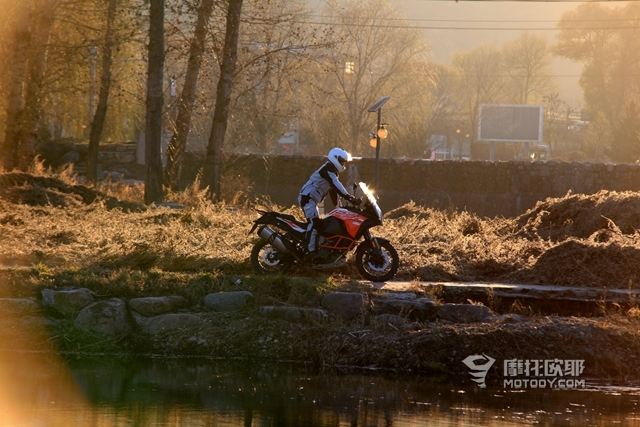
x,y
577,240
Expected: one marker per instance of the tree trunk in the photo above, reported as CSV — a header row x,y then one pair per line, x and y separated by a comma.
x,y
153,181
105,84
178,143
41,24
9,149
213,162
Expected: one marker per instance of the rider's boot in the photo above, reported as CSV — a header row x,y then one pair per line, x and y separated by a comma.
x,y
312,251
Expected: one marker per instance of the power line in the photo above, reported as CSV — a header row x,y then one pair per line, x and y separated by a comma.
x,y
428,27
473,20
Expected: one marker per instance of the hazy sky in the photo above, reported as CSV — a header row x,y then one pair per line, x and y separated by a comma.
x,y
470,23
487,22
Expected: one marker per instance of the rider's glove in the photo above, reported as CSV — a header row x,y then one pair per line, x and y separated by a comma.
x,y
352,200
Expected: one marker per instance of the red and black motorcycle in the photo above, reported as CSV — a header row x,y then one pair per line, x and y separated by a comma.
x,y
282,240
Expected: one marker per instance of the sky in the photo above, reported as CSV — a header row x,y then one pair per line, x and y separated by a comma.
x,y
487,22
470,23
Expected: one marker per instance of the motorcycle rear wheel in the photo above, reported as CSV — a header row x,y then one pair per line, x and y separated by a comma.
x,y
266,259
377,267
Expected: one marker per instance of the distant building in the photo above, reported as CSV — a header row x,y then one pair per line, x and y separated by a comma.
x,y
439,147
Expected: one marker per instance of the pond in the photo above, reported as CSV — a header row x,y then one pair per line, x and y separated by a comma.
x,y
40,389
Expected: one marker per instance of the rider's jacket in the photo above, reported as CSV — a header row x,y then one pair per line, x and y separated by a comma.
x,y
321,181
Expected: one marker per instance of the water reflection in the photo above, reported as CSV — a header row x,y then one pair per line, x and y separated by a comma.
x,y
196,392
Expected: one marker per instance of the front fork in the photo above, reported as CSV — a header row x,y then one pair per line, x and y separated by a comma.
x,y
377,250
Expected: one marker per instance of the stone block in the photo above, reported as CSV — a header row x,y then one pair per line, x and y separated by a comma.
x,y
67,302
104,317
345,304
153,306
228,301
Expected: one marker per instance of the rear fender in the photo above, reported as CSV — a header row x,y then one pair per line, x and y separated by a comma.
x,y
270,218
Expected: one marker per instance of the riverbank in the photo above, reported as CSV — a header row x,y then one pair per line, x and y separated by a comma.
x,y
59,236
412,342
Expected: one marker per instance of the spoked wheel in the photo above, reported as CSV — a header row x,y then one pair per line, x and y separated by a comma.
x,y
266,259
377,266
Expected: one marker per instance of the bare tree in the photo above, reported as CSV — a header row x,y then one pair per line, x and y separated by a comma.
x,y
365,59
177,145
213,163
153,192
480,81
38,49
526,61
19,53
597,46
555,120
105,85
273,72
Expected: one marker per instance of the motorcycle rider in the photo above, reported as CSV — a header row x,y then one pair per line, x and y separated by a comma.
x,y
321,182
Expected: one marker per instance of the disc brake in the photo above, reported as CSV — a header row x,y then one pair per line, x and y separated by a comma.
x,y
270,258
378,262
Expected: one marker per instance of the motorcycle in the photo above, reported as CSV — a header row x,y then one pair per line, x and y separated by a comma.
x,y
282,241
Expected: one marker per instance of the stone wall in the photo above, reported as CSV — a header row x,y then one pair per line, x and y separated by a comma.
x,y
486,188
483,187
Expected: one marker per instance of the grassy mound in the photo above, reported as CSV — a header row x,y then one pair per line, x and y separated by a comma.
x,y
576,240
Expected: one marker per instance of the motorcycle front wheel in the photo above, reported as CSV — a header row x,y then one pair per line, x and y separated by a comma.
x,y
377,267
266,259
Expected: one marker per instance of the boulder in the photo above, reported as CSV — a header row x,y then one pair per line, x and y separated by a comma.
x,y
228,301
390,319
345,304
19,306
463,313
153,306
104,317
422,309
67,302
293,314
167,322
402,295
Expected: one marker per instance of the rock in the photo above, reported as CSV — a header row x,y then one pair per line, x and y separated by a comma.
x,y
167,322
401,296
413,326
422,309
391,319
294,314
463,313
153,306
228,301
67,302
19,306
345,304
104,317
505,318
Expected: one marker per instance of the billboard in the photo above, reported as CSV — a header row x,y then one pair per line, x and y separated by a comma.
x,y
510,123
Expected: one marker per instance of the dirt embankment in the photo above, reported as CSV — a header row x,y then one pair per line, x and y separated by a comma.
x,y
577,240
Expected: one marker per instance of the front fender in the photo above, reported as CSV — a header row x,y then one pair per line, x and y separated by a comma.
x,y
373,243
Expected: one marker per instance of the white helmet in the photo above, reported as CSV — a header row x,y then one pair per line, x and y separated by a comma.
x,y
339,157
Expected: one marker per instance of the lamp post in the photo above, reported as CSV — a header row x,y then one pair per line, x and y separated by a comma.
x,y
381,133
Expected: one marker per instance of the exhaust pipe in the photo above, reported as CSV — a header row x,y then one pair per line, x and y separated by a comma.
x,y
271,237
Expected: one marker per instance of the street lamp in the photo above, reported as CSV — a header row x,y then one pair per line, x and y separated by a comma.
x,y
381,133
